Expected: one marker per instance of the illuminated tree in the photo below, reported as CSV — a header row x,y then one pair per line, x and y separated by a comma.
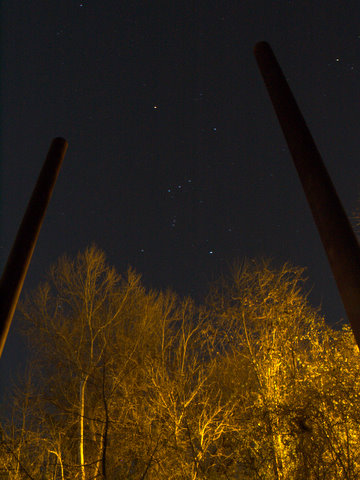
x,y
190,414
268,329
137,384
333,393
85,327
117,369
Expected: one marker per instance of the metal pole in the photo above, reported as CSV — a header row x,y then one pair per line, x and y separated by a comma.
x,y
19,258
336,233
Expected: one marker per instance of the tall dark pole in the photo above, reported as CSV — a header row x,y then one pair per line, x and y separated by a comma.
x,y
19,258
337,236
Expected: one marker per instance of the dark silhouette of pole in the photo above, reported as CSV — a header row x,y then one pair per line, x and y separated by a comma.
x,y
336,233
19,258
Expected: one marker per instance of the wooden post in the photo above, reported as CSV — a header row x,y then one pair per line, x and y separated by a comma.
x,y
19,258
336,233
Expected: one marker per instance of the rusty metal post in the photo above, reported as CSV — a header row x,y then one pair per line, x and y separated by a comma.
x,y
336,233
19,258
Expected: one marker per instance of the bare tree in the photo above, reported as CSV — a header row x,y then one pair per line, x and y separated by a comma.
x,y
131,383
73,323
268,329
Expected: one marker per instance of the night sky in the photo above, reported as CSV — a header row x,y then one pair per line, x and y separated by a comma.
x,y
176,163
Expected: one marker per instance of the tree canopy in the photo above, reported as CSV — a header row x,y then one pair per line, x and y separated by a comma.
x,y
130,383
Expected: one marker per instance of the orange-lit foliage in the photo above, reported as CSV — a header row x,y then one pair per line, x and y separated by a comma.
x,y
136,384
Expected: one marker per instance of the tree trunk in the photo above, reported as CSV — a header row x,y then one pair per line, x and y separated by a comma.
x,y
82,412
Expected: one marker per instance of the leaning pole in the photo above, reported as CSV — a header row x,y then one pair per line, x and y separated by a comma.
x,y
20,255
336,233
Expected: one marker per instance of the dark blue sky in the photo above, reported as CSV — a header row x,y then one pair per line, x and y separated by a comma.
x,y
176,163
